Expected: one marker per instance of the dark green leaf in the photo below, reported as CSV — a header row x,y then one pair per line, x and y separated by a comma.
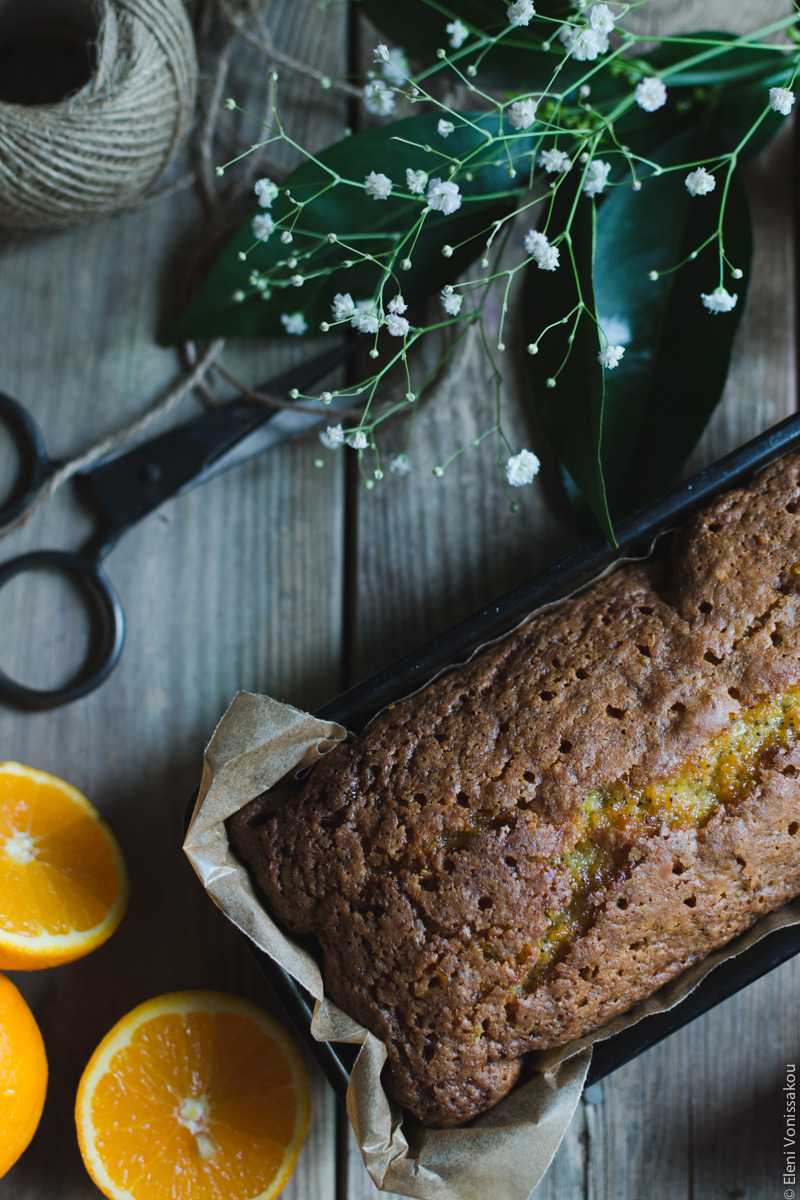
x,y
736,64
349,213
571,413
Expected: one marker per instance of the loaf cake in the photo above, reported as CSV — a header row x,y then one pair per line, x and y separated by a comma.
x,y
510,858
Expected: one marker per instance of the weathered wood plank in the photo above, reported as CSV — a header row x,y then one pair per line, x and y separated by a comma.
x,y
237,585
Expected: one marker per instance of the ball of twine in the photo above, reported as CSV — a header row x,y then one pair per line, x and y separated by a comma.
x,y
101,148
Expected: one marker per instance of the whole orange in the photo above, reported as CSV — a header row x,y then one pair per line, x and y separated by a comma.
x,y
23,1074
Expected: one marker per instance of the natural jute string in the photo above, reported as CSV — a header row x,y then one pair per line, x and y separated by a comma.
x,y
99,150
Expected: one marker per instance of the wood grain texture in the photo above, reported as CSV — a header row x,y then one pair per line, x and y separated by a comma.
x,y
236,585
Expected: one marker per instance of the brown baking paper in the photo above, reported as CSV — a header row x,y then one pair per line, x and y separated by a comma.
x,y
503,1153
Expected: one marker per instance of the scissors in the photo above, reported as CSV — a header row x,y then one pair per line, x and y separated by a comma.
x,y
127,486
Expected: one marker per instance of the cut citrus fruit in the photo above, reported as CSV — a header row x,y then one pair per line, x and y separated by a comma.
x,y
63,883
193,1096
23,1074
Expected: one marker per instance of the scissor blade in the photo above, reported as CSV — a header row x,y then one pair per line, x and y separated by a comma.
x,y
277,428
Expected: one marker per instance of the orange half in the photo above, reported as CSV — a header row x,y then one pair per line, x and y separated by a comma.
x,y
23,1074
193,1096
63,882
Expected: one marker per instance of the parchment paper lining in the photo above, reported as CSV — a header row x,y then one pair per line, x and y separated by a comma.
x,y
505,1152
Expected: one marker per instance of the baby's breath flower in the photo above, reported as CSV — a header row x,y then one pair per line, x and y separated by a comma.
x,y
332,437
458,33
543,254
522,468
378,186
444,196
297,281
719,301
520,12
397,326
416,181
611,356
451,303
395,68
522,113
294,323
286,237
397,305
584,44
700,182
650,94
381,53
596,177
584,91
266,191
358,440
379,98
554,161
447,251
445,128
781,100
238,296
365,322
601,18
263,226
230,104
343,306
399,464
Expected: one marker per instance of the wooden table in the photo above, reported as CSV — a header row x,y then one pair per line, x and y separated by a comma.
x,y
295,581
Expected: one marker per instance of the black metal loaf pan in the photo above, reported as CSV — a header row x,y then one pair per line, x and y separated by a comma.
x,y
354,708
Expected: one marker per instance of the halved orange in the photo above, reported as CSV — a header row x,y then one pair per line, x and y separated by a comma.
x,y
193,1096
63,882
23,1074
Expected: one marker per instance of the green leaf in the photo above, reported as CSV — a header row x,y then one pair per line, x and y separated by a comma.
x,y
361,224
571,413
734,65
637,434
660,397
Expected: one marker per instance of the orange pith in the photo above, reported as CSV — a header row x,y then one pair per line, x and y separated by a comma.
x,y
63,884
23,1074
193,1096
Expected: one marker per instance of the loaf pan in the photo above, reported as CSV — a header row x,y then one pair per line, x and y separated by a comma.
x,y
355,707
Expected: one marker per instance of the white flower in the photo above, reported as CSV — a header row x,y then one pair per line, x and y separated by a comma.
x,y
395,68
358,440
266,191
781,100
398,305
381,53
451,303
332,437
585,45
596,177
522,113
610,357
520,12
601,18
365,322
700,182
378,186
416,181
445,128
543,254
521,468
263,226
397,326
444,196
343,306
378,98
719,301
616,329
294,323
458,33
555,161
399,465
650,94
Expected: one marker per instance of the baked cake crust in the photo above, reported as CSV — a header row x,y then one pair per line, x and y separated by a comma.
x,y
471,903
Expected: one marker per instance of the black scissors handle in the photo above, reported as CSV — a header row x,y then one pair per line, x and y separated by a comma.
x,y
35,464
108,630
